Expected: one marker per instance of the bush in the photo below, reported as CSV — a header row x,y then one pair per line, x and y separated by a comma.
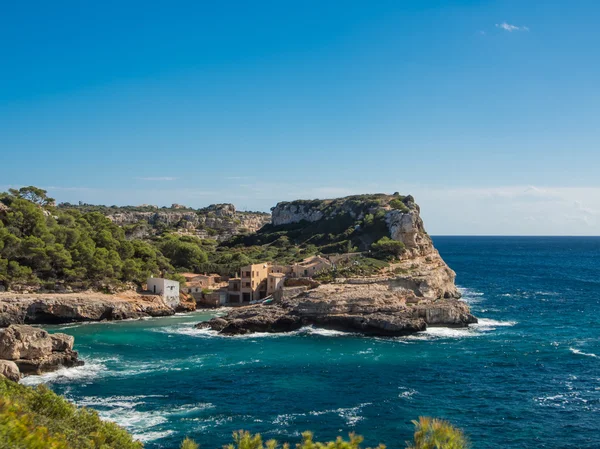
x,y
40,419
431,433
397,204
386,247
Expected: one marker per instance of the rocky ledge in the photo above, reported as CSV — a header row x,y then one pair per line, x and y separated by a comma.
x,y
391,306
75,307
27,350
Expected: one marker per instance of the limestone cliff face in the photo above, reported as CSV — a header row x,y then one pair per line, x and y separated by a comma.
x,y
219,221
402,216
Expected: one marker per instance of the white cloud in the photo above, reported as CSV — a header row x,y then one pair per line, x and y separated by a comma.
x,y
157,178
510,28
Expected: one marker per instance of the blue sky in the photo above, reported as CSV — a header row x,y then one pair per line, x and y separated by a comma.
x,y
487,112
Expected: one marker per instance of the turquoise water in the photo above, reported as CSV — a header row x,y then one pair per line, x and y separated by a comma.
x,y
527,376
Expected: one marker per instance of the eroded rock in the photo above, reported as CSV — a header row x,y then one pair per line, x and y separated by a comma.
x,y
35,351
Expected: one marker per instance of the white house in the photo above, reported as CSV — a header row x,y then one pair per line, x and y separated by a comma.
x,y
167,289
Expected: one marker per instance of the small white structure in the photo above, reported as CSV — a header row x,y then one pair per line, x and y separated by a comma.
x,y
166,288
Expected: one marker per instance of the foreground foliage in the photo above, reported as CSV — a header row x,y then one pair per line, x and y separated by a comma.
x,y
39,419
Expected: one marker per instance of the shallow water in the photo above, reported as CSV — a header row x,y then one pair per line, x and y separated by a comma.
x,y
528,375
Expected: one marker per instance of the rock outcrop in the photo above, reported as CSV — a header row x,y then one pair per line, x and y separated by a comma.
x,y
35,351
378,307
75,307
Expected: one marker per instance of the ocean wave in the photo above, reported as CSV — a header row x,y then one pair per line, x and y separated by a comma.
x,y
351,415
487,324
579,352
191,331
127,411
91,370
470,296
310,330
407,394
146,437
473,330
445,332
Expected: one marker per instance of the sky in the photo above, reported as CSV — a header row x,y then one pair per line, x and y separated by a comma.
x,y
487,112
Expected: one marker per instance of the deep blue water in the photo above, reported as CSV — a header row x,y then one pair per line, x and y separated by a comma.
x,y
527,376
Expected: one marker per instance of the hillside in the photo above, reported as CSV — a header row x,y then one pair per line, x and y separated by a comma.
x,y
217,221
387,226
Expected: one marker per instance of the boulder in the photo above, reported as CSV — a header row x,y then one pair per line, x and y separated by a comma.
x,y
10,370
35,351
24,342
62,342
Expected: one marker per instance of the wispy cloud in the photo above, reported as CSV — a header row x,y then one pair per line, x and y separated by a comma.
x,y
510,28
157,178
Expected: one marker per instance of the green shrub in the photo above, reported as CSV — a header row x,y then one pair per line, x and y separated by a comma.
x,y
387,247
432,433
188,444
397,204
39,419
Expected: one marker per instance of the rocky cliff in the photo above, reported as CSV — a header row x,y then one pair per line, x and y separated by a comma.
x,y
400,214
34,351
219,221
417,289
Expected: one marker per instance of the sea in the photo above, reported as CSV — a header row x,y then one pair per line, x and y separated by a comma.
x,y
526,376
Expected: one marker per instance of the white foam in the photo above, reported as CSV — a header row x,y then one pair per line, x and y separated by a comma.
x,y
91,370
191,331
145,437
310,330
587,354
448,332
486,324
350,415
408,394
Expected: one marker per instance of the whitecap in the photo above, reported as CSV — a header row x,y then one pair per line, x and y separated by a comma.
x,y
487,324
91,370
579,352
448,332
350,415
310,330
407,394
146,437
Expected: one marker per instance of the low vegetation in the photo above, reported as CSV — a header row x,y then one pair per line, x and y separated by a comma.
x,y
39,419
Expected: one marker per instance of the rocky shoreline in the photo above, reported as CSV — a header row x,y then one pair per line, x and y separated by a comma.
x,y
26,350
385,306
79,307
